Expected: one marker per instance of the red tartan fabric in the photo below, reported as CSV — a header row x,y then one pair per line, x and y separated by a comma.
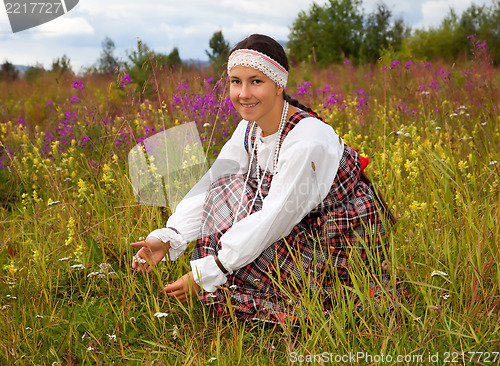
x,y
318,250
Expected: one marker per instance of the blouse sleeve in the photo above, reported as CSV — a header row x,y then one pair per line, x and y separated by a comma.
x,y
184,224
296,189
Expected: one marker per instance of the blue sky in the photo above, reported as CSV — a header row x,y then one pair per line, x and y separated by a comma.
x,y
187,25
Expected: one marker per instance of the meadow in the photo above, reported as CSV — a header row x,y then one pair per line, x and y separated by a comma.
x,y
68,295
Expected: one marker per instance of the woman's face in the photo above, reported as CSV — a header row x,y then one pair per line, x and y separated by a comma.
x,y
255,96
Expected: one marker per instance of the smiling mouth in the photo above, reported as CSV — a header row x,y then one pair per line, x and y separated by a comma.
x,y
247,105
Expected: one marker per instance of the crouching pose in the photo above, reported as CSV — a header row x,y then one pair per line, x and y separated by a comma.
x,y
296,214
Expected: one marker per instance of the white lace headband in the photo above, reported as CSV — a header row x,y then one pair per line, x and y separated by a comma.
x,y
259,61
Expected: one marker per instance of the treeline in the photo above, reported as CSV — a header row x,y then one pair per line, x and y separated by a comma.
x,y
340,30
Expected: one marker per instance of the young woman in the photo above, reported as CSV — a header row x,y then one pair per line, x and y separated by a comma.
x,y
288,219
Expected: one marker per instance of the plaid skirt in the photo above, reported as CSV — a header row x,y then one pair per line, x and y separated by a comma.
x,y
307,261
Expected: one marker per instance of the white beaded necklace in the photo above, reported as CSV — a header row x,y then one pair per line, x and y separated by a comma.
x,y
276,144
260,180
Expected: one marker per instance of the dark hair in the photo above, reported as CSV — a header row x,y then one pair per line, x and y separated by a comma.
x,y
271,48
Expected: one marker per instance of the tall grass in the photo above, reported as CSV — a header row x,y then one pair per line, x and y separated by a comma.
x,y
67,291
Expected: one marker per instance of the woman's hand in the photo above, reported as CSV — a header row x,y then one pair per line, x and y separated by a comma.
x,y
150,254
183,289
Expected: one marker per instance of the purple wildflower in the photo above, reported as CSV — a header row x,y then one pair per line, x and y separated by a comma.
x,y
304,89
74,99
78,85
394,64
125,80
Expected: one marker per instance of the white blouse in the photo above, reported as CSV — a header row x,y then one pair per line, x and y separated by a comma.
x,y
296,189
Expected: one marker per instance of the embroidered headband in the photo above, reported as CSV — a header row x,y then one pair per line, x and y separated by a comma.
x,y
259,61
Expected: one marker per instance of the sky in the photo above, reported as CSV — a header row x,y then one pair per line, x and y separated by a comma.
x,y
185,24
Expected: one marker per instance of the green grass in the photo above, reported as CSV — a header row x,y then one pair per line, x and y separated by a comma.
x,y
67,291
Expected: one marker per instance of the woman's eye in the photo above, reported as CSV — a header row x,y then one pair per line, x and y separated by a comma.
x,y
236,82
257,81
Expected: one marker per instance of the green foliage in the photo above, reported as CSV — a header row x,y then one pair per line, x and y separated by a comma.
x,y
380,33
144,63
327,34
8,72
451,39
219,51
33,72
61,65
107,62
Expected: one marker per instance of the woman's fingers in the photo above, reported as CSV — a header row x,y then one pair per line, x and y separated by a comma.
x,y
139,244
183,288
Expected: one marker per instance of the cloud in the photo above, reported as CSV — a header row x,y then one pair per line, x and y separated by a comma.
x,y
62,27
433,12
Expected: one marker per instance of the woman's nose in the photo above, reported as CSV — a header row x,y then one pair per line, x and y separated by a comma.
x,y
245,91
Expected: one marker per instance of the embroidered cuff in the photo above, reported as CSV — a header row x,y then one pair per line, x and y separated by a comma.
x,y
207,273
177,243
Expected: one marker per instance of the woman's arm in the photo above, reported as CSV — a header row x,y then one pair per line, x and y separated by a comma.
x,y
184,224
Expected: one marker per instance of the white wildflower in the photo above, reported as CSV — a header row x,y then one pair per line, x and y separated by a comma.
x,y
28,329
6,307
175,335
90,349
78,266
160,315
84,335
105,267
438,128
493,162
425,92
438,273
484,124
212,359
137,259
111,337
39,316
53,203
206,125
453,115
65,259
93,274
11,297
445,296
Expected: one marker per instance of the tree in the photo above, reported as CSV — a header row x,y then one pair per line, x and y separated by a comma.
x,y
328,34
219,51
61,65
143,64
9,72
34,72
380,34
107,61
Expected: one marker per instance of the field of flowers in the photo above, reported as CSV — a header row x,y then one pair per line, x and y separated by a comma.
x,y
68,213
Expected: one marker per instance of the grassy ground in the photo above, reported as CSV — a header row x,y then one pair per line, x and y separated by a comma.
x,y
67,292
